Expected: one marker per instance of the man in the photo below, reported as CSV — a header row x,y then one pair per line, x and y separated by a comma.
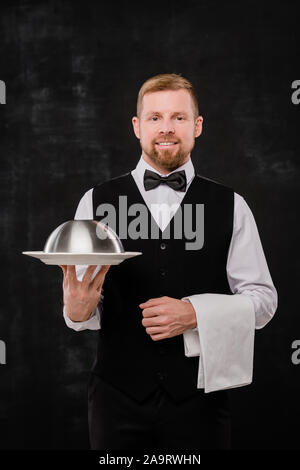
x,y
176,324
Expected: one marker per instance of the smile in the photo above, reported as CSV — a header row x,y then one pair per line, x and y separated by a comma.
x,y
166,144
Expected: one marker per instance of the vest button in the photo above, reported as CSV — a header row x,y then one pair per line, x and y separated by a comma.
x,y
162,271
163,246
160,376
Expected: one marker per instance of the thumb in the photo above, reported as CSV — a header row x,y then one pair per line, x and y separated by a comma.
x,y
64,268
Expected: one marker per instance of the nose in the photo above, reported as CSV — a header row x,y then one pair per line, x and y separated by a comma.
x,y
167,127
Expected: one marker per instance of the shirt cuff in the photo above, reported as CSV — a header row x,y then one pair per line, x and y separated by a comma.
x,y
93,323
191,339
226,327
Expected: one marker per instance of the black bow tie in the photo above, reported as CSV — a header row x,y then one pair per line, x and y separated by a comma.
x,y
176,180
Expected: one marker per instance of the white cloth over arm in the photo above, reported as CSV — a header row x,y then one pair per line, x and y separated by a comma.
x,y
85,212
224,337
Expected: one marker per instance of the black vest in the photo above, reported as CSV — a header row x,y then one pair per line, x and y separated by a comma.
x,y
127,357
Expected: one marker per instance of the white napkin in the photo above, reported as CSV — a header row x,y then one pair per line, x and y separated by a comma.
x,y
224,340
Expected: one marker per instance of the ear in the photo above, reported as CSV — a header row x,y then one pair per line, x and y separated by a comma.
x,y
198,126
136,126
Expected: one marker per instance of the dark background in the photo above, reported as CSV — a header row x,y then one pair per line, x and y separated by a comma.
x,y
73,71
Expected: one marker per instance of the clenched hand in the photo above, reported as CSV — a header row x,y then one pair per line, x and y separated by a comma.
x,y
165,317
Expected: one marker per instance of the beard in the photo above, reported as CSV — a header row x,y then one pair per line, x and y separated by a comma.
x,y
168,159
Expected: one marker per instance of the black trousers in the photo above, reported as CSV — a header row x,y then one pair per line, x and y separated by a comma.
x,y
118,422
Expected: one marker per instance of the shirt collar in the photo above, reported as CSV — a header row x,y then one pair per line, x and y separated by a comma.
x,y
188,167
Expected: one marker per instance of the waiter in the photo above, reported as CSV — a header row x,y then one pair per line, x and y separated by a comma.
x,y
176,325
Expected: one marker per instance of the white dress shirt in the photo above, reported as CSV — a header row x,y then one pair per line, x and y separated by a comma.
x,y
224,337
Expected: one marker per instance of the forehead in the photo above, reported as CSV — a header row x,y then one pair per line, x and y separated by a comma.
x,y
168,101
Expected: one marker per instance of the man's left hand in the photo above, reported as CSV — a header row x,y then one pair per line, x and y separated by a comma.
x,y
165,317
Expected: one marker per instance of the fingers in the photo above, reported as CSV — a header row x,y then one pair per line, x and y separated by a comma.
x,y
100,276
152,312
152,302
154,330
88,274
153,307
71,274
64,269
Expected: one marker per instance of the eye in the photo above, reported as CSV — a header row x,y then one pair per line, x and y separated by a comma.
x,y
180,118
154,118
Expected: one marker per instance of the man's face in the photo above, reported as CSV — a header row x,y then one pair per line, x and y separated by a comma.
x,y
167,128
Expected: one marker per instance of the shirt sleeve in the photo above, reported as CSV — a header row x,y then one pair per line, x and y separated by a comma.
x,y
224,336
85,212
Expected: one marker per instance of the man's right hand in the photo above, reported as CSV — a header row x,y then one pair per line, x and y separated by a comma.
x,y
82,297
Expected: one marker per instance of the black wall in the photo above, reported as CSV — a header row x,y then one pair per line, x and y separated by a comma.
x,y
72,72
